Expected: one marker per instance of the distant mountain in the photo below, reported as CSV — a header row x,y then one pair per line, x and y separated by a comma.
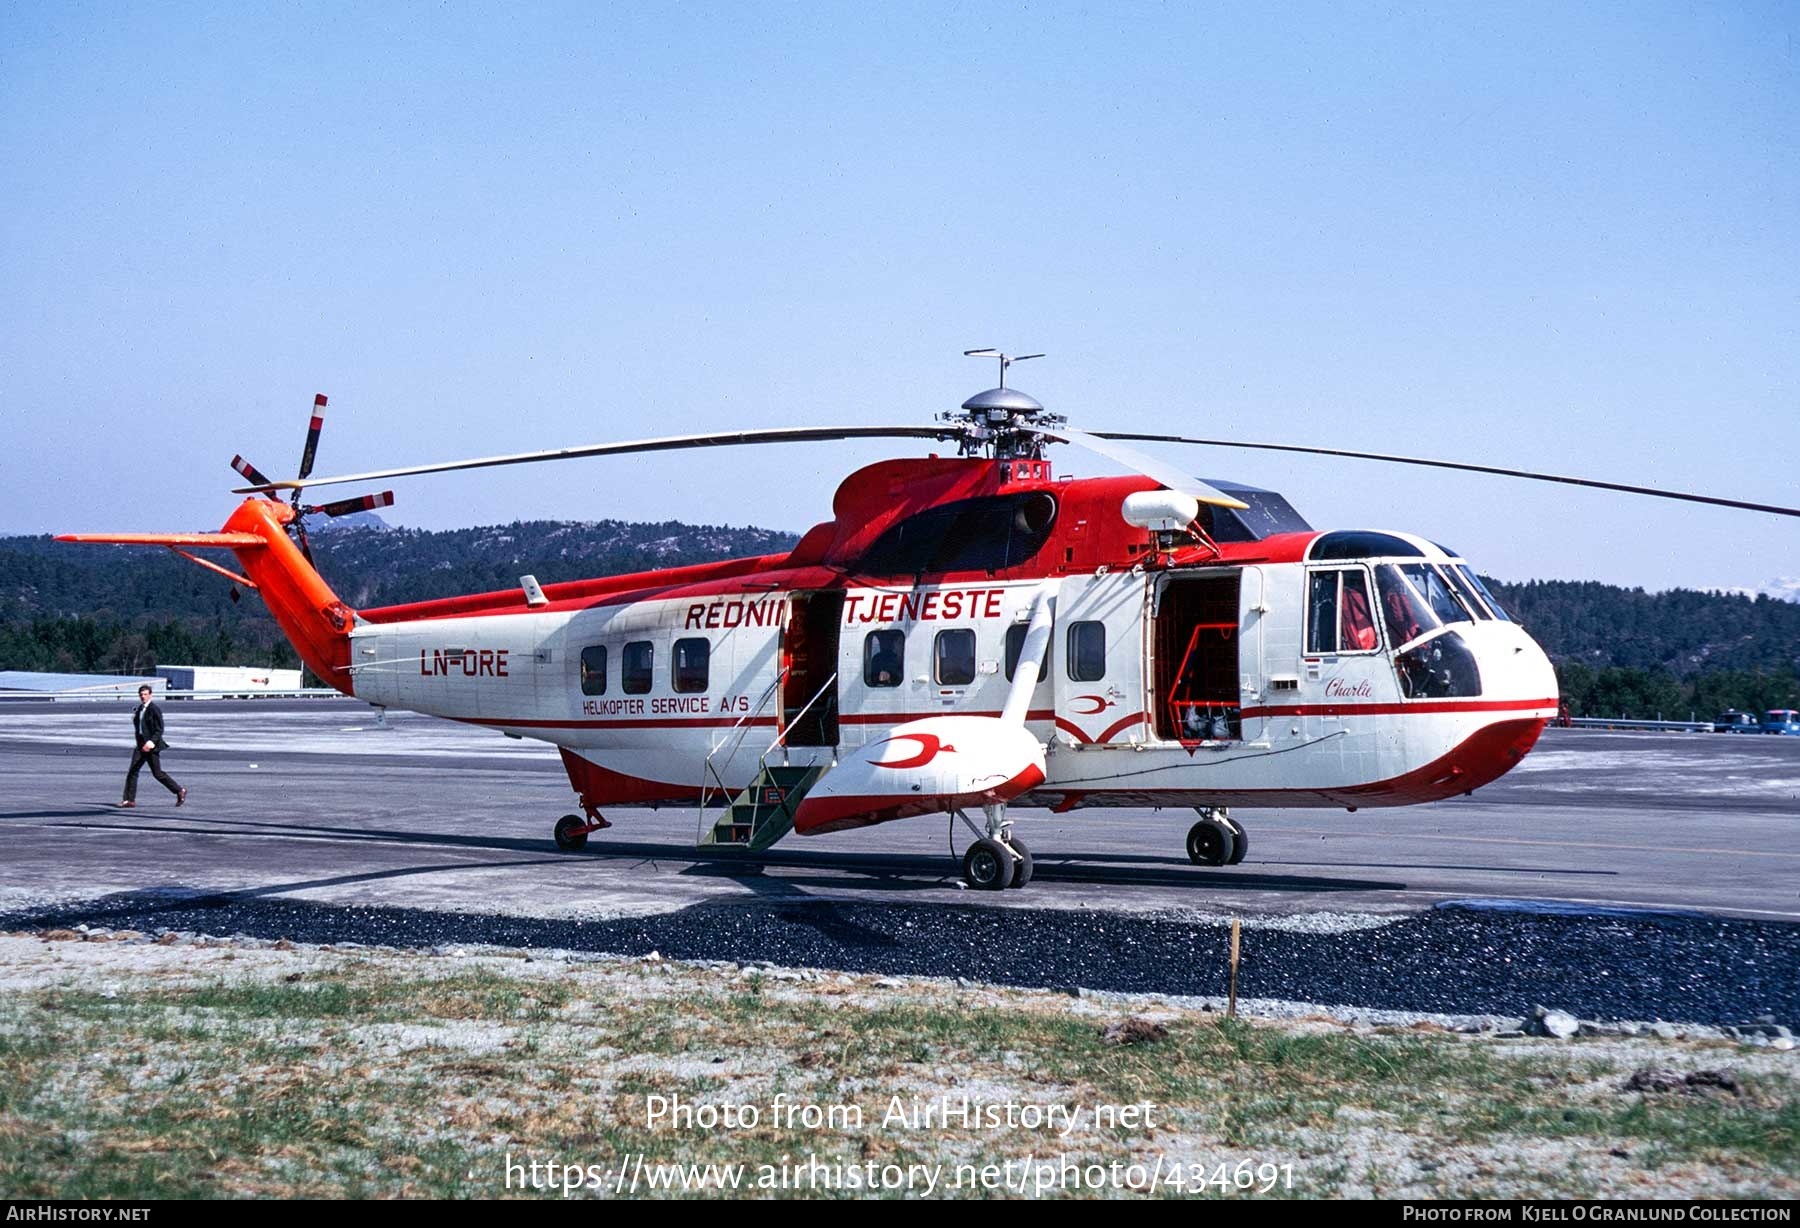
x,y
355,520
98,608
390,566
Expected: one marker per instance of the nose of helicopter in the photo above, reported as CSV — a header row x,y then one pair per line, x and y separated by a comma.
x,y
1493,725
1514,669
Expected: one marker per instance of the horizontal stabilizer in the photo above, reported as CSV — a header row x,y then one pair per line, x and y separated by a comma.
x,y
232,541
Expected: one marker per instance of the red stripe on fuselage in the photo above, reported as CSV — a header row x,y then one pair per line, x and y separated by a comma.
x,y
598,722
1405,708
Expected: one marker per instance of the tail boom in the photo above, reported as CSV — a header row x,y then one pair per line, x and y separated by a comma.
x,y
312,617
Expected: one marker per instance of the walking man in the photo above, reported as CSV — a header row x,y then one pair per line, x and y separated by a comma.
x,y
147,723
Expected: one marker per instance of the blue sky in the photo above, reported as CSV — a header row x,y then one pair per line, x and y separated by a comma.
x,y
1544,236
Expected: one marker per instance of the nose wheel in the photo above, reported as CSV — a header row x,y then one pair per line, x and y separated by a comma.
x,y
1217,839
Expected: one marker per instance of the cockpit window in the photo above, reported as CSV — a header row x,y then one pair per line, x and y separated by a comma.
x,y
1404,608
1432,586
1468,574
1340,617
1361,544
1469,596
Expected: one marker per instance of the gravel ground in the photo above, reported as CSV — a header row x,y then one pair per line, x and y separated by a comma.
x,y
1681,968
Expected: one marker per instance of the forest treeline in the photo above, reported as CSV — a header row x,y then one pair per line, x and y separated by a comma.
x,y
99,609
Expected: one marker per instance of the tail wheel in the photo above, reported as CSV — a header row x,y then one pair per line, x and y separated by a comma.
x,y
987,866
571,833
1210,844
1021,871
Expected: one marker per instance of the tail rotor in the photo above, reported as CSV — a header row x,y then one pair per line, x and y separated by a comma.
x,y
308,454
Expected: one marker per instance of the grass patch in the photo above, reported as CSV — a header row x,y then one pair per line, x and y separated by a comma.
x,y
371,1077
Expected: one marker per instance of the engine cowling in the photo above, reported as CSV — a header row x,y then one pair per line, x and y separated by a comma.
x,y
925,766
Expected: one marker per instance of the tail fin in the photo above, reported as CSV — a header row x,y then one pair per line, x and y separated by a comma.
x,y
308,612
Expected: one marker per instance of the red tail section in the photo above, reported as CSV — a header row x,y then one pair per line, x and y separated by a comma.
x,y
308,612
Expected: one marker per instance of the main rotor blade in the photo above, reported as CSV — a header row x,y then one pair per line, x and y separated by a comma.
x,y
672,443
1150,466
1653,491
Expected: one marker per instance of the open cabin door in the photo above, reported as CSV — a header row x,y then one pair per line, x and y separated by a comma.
x,y
809,655
1198,695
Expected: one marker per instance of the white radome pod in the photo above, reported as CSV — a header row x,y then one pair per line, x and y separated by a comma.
x,y
1164,511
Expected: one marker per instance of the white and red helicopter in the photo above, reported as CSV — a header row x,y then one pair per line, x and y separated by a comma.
x,y
967,634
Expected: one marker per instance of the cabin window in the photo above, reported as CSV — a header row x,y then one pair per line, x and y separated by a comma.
x,y
691,661
1015,646
884,658
637,667
1340,616
1087,651
593,670
954,653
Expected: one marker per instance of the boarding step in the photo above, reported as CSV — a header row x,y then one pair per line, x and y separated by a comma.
x,y
764,812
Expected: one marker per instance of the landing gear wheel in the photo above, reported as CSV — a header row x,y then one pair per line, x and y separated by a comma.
x,y
1021,871
571,833
987,866
1240,842
1210,843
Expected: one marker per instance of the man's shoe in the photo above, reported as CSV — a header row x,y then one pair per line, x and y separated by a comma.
x,y
127,805
180,796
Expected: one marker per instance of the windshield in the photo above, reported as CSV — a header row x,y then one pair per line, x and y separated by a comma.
x,y
1465,592
1407,613
1467,573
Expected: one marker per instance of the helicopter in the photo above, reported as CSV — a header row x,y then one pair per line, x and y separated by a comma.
x,y
968,634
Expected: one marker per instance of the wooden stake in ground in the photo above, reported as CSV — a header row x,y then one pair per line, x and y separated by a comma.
x,y
1231,1002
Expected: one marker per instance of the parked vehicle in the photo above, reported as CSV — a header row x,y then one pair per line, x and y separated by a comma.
x,y
1733,721
1781,720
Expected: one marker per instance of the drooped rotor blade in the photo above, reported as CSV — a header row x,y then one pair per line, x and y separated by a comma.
x,y
312,438
1169,475
1653,491
362,503
672,443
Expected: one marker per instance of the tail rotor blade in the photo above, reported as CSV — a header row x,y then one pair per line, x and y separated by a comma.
x,y
312,437
363,503
253,474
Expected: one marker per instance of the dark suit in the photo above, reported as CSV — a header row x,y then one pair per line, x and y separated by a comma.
x,y
147,724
